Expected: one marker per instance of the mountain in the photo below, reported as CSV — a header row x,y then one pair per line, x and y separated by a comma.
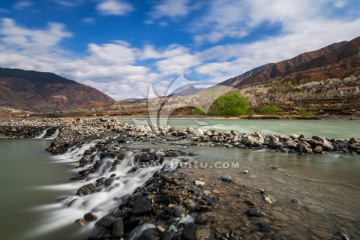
x,y
186,90
42,91
330,55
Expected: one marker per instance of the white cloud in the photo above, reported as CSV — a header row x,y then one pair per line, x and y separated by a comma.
x,y
114,7
23,4
69,3
236,19
111,67
172,9
33,40
273,49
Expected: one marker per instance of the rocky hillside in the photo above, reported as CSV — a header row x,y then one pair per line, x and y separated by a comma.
x,y
330,55
40,91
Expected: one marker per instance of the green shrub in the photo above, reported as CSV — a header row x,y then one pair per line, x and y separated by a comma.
x,y
199,111
268,110
305,112
230,104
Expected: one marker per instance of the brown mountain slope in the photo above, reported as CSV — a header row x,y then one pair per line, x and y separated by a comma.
x,y
329,55
39,91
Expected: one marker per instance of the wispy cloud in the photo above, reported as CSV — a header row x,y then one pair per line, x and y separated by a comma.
x,y
69,3
23,4
114,7
171,9
88,20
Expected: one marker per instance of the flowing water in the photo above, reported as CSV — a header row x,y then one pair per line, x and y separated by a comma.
x,y
35,187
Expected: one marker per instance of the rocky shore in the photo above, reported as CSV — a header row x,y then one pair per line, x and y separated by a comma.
x,y
76,131
171,200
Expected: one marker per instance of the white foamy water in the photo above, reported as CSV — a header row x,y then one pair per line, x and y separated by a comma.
x,y
42,135
56,133
74,207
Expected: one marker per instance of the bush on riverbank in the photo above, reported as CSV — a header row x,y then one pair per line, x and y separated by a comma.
x,y
304,112
269,110
230,104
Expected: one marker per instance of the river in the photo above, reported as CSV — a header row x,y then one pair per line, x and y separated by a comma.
x,y
32,182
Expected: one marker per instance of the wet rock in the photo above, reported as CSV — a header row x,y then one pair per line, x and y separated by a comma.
x,y
232,236
255,212
315,209
226,177
90,217
302,148
354,146
321,234
86,189
326,144
189,204
318,149
196,232
275,145
142,206
280,216
149,234
118,228
109,181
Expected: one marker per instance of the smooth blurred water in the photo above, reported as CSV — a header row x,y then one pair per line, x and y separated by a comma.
x,y
25,167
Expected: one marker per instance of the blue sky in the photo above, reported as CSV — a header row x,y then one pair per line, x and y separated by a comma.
x,y
122,47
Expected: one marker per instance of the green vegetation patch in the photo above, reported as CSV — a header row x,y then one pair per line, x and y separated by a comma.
x,y
304,112
269,110
230,104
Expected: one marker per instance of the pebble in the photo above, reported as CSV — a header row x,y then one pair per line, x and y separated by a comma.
x,y
280,216
315,209
226,177
255,212
199,183
321,234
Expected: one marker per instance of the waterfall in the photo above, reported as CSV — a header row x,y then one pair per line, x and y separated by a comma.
x,y
42,135
74,207
56,133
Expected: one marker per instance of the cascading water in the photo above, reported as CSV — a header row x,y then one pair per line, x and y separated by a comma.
x,y
100,203
56,133
42,135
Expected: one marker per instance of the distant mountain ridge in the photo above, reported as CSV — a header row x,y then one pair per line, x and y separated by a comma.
x,y
42,91
328,55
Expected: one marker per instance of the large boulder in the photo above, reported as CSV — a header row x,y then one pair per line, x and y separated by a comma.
x,y
326,144
142,206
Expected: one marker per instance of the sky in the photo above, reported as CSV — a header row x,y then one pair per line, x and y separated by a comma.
x,y
122,47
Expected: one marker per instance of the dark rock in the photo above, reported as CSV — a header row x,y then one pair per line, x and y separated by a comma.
x,y
149,234
142,206
226,177
109,181
86,189
232,236
275,145
121,156
255,212
302,148
90,217
87,152
118,228
106,221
